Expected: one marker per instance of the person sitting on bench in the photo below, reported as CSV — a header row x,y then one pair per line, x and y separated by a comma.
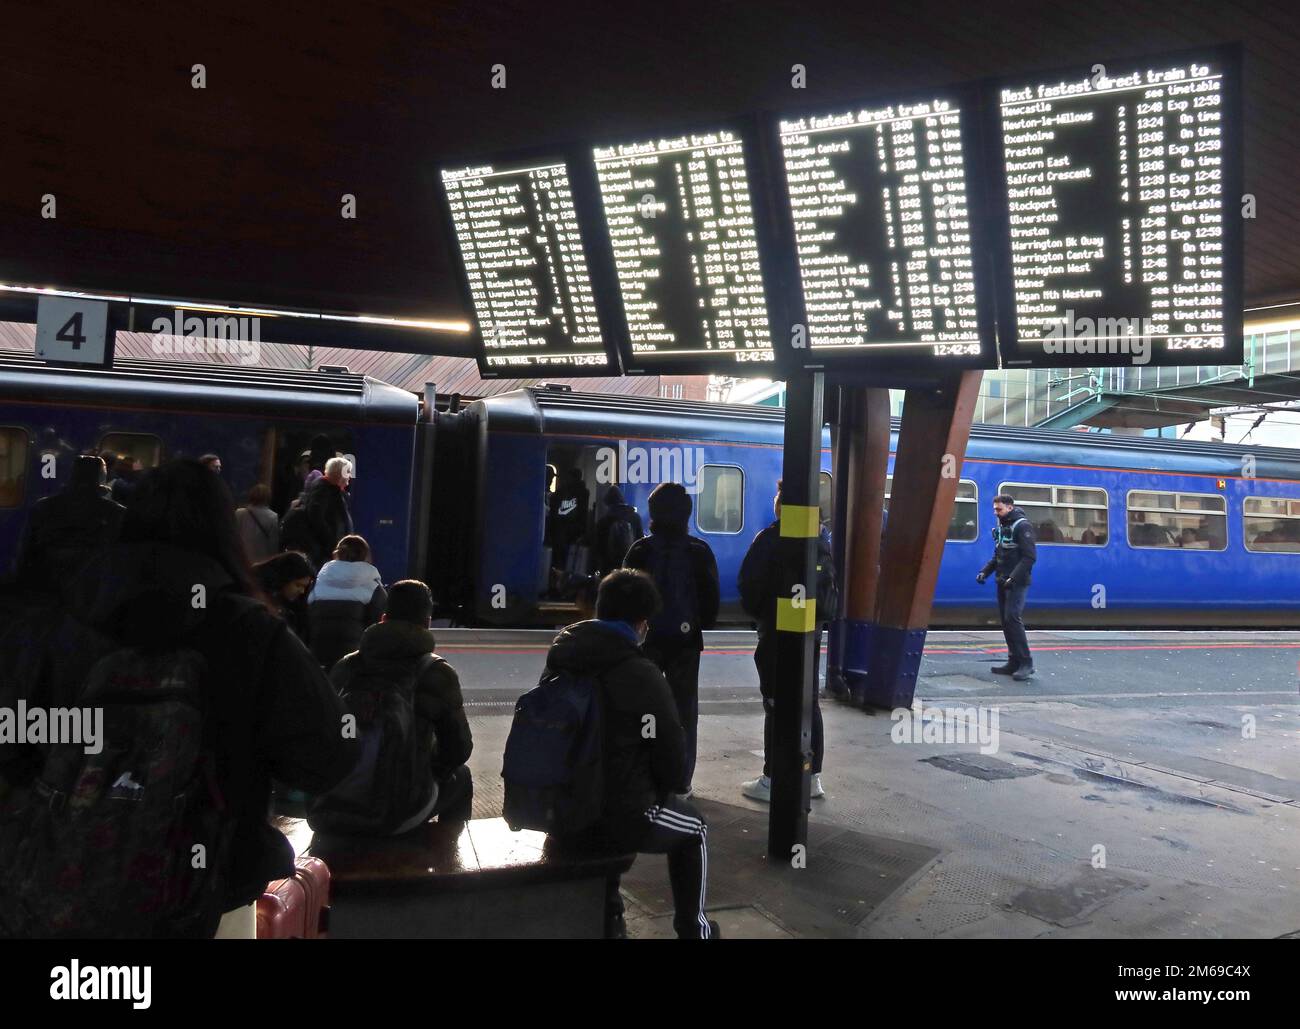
x,y
645,750
395,675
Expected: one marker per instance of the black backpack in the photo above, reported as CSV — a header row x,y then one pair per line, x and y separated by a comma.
x,y
618,541
674,573
554,763
393,777
132,841
295,529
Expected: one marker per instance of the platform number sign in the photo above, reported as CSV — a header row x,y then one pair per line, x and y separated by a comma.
x,y
73,331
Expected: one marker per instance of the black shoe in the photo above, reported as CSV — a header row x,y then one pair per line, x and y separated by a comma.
x,y
1022,674
714,932
1006,669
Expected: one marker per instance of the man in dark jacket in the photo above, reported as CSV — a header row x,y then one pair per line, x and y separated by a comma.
x,y
402,646
326,507
686,575
760,587
616,531
65,530
644,749
1014,553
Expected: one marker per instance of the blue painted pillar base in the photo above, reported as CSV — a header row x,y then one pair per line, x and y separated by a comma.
x,y
892,667
835,685
857,649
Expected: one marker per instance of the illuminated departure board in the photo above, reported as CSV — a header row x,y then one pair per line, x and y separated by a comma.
x,y
525,269
1121,226
684,241
881,202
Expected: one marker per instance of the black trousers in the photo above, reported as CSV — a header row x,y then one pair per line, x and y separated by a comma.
x,y
673,827
455,796
765,661
681,667
1011,609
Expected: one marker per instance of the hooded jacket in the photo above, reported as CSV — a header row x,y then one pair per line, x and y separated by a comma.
x,y
1015,548
347,597
670,513
271,710
394,649
759,578
639,771
617,510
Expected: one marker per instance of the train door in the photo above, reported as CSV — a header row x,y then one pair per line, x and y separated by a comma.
x,y
576,484
294,451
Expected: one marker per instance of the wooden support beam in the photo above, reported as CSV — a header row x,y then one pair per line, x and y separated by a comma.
x,y
931,448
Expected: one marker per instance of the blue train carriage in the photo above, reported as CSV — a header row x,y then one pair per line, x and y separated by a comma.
x,y
729,456
1132,531
258,420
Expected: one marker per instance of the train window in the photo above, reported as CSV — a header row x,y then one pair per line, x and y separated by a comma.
x,y
146,449
1071,516
720,506
1189,521
963,527
13,466
825,497
1272,524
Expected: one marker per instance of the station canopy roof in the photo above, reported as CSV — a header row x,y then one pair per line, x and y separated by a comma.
x,y
233,192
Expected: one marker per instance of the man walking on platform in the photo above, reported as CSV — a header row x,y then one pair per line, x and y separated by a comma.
x,y
1014,553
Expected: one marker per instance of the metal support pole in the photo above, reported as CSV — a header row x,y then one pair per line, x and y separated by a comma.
x,y
797,618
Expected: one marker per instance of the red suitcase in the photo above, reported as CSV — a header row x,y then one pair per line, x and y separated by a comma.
x,y
296,908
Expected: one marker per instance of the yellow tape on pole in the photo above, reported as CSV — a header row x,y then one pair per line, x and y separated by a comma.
x,y
792,618
800,522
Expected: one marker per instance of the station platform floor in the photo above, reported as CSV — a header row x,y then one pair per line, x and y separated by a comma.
x,y
1144,785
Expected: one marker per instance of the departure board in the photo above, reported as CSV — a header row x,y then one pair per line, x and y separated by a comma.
x,y
685,247
525,269
881,203
1122,241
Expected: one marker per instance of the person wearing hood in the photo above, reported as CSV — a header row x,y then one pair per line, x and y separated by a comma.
x,y
65,530
269,709
348,596
1015,550
398,652
284,581
616,531
642,769
686,574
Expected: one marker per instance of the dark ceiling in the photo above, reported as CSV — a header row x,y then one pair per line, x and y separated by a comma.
x,y
233,192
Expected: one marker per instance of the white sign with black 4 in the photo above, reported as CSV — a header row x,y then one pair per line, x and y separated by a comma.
x,y
72,330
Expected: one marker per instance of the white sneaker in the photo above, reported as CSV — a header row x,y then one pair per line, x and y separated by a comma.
x,y
817,792
758,789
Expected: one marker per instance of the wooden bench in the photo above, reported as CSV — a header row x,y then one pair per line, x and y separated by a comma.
x,y
476,880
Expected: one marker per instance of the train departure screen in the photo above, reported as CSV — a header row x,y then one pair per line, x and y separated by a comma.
x,y
685,247
881,200
517,231
1123,234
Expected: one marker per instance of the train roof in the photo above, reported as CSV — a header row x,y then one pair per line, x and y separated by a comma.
x,y
193,387
563,412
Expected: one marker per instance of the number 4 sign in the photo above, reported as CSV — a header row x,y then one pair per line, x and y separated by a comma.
x,y
73,331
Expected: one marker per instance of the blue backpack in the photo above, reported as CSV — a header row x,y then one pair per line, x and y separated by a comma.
x,y
554,760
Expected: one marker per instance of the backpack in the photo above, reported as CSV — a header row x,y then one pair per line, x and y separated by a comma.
x,y
554,759
132,841
618,541
393,777
674,573
295,529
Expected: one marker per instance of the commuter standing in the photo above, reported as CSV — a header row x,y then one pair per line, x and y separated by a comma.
x,y
616,531
125,473
642,771
760,588
212,462
396,668
347,597
328,514
686,574
284,580
259,527
65,530
1014,552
